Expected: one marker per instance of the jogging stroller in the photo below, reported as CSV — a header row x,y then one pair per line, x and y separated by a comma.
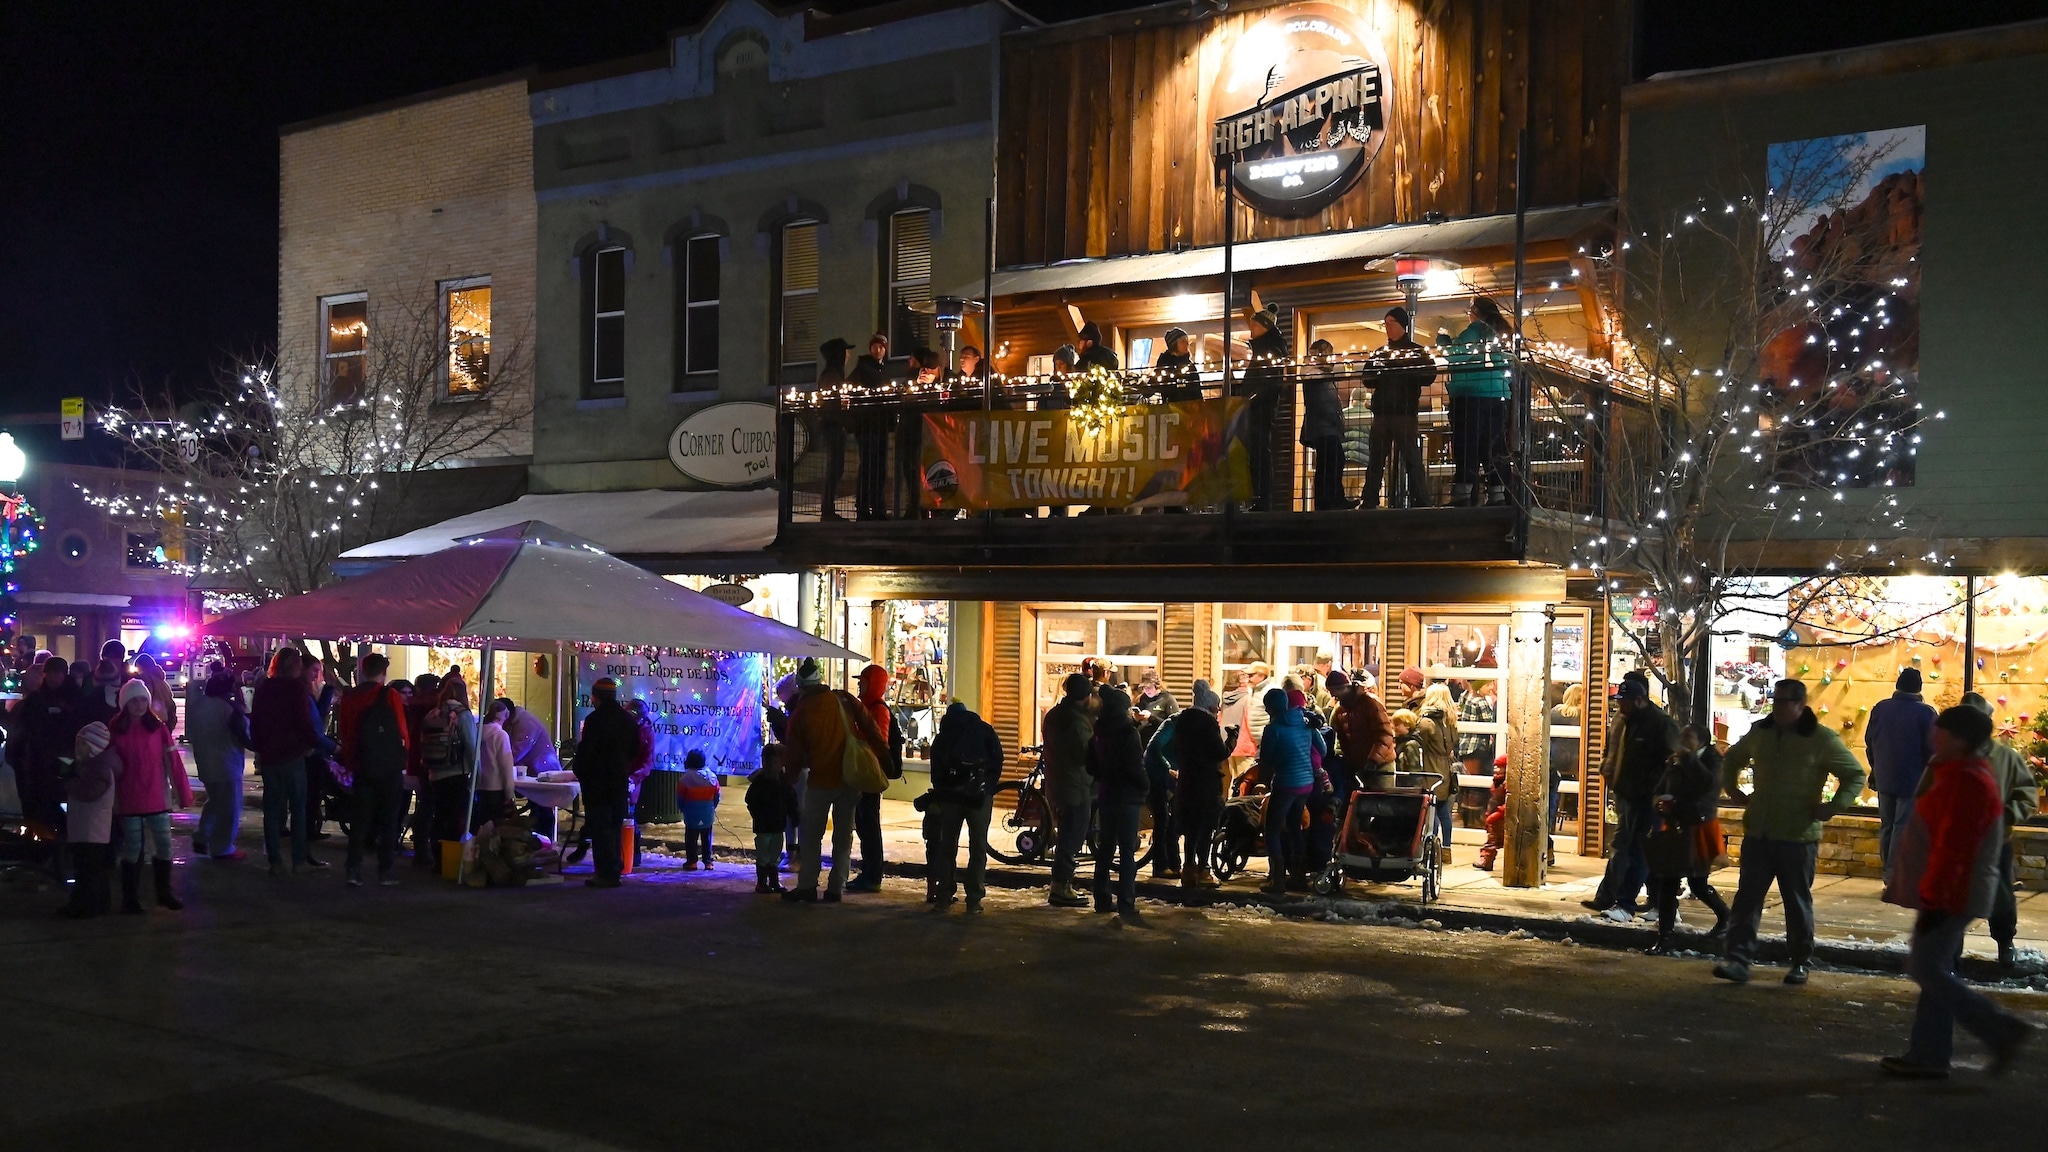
x,y
1389,838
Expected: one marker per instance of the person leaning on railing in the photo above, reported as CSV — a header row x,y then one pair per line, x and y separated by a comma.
x,y
1174,373
1397,373
1322,425
1479,387
831,426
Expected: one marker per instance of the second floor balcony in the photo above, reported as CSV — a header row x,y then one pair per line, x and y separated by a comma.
x,y
862,483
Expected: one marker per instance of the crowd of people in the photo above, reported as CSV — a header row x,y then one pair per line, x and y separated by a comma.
x,y
1950,796
94,757
872,398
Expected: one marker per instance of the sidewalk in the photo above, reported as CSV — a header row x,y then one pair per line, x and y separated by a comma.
x,y
1854,927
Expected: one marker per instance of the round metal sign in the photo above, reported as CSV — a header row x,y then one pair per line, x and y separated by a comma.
x,y
726,445
1303,100
737,595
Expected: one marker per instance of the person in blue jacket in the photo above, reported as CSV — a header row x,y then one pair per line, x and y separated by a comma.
x,y
1898,740
1480,374
1288,750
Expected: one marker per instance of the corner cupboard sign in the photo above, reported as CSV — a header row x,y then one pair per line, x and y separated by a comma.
x,y
727,445
1303,103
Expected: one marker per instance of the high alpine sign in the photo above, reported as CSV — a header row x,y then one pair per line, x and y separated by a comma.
x,y
1304,102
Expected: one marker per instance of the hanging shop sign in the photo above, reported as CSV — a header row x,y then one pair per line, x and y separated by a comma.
x,y
726,445
707,702
1153,456
1303,96
737,595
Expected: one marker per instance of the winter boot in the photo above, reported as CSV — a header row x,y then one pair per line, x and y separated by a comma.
x,y
1718,907
131,884
1487,852
1208,879
1461,495
1064,896
1496,494
2006,955
164,898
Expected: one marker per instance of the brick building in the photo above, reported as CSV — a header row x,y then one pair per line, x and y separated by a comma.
x,y
406,244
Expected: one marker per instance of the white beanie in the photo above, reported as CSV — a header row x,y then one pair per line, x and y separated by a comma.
x,y
92,740
134,690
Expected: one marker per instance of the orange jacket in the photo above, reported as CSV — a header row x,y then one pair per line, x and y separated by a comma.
x,y
818,727
874,680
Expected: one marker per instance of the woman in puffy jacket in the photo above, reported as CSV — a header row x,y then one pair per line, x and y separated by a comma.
x,y
1436,728
1322,425
1479,388
1288,752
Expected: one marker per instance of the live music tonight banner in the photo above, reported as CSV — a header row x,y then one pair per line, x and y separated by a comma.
x,y
1153,456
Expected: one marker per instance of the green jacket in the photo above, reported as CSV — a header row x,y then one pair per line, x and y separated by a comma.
x,y
1481,367
1789,769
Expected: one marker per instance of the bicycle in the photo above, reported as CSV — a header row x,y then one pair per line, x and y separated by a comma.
x,y
1028,824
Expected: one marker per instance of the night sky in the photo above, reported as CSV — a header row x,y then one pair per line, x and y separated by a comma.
x,y
138,143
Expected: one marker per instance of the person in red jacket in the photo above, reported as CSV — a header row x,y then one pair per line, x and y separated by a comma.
x,y
867,814
1957,818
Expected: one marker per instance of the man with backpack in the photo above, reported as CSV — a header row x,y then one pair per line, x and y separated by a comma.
x,y
967,763
606,750
375,748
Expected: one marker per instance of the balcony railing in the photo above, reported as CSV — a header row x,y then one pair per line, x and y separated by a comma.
x,y
1575,406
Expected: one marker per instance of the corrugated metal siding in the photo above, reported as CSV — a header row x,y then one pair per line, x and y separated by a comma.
x,y
1005,707
1592,789
1177,648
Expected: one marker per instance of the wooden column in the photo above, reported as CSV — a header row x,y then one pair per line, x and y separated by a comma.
x,y
1528,732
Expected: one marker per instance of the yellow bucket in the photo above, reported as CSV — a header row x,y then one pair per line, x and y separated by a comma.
x,y
451,858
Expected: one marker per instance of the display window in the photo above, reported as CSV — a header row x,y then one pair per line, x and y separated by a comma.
x,y
916,641
1125,639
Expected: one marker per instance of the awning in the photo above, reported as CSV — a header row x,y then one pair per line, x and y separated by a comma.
x,y
1329,247
526,585
638,525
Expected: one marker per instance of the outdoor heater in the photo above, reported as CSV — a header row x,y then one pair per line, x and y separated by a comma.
x,y
948,313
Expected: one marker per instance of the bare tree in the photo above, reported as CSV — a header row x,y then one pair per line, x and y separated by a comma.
x,y
1768,362
267,475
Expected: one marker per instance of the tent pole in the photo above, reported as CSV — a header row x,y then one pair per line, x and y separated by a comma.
x,y
485,666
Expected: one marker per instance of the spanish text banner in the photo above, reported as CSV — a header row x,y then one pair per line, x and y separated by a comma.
x,y
1152,456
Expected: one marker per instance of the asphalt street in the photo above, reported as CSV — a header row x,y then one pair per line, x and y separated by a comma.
x,y
684,1011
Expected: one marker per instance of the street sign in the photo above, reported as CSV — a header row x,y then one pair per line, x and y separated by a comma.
x,y
73,411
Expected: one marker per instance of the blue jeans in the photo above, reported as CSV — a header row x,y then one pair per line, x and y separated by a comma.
x,y
284,796
1283,832
1946,1001
1893,813
1119,840
158,825
1628,869
220,819
1444,823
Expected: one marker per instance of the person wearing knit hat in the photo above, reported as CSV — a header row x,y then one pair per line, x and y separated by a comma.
x,y
2021,796
1397,372
89,813
1412,684
1262,382
150,770
1898,740
1201,749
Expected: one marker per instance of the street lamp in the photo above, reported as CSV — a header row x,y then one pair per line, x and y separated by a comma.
x,y
13,461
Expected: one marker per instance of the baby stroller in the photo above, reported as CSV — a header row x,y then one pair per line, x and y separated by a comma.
x,y
1240,835
1389,838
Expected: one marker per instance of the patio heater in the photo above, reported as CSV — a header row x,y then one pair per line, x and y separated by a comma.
x,y
1410,274
948,313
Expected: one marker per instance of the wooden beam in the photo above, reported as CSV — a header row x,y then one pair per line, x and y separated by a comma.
x,y
1527,830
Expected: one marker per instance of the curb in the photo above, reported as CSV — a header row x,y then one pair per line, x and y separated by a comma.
x,y
1609,935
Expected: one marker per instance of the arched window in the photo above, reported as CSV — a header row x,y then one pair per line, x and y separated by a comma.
x,y
603,264
907,221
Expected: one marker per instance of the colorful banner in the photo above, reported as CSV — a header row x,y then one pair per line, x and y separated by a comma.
x,y
712,703
1152,456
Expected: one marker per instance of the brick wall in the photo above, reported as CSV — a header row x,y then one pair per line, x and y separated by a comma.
x,y
395,201
1848,847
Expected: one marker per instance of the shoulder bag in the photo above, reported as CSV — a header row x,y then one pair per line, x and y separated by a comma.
x,y
859,767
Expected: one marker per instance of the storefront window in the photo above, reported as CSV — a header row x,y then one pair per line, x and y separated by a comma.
x,y
1127,641
1568,719
915,642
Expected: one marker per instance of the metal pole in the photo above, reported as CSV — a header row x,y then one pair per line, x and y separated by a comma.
x,y
485,683
1229,242
1969,633
988,305
1524,429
